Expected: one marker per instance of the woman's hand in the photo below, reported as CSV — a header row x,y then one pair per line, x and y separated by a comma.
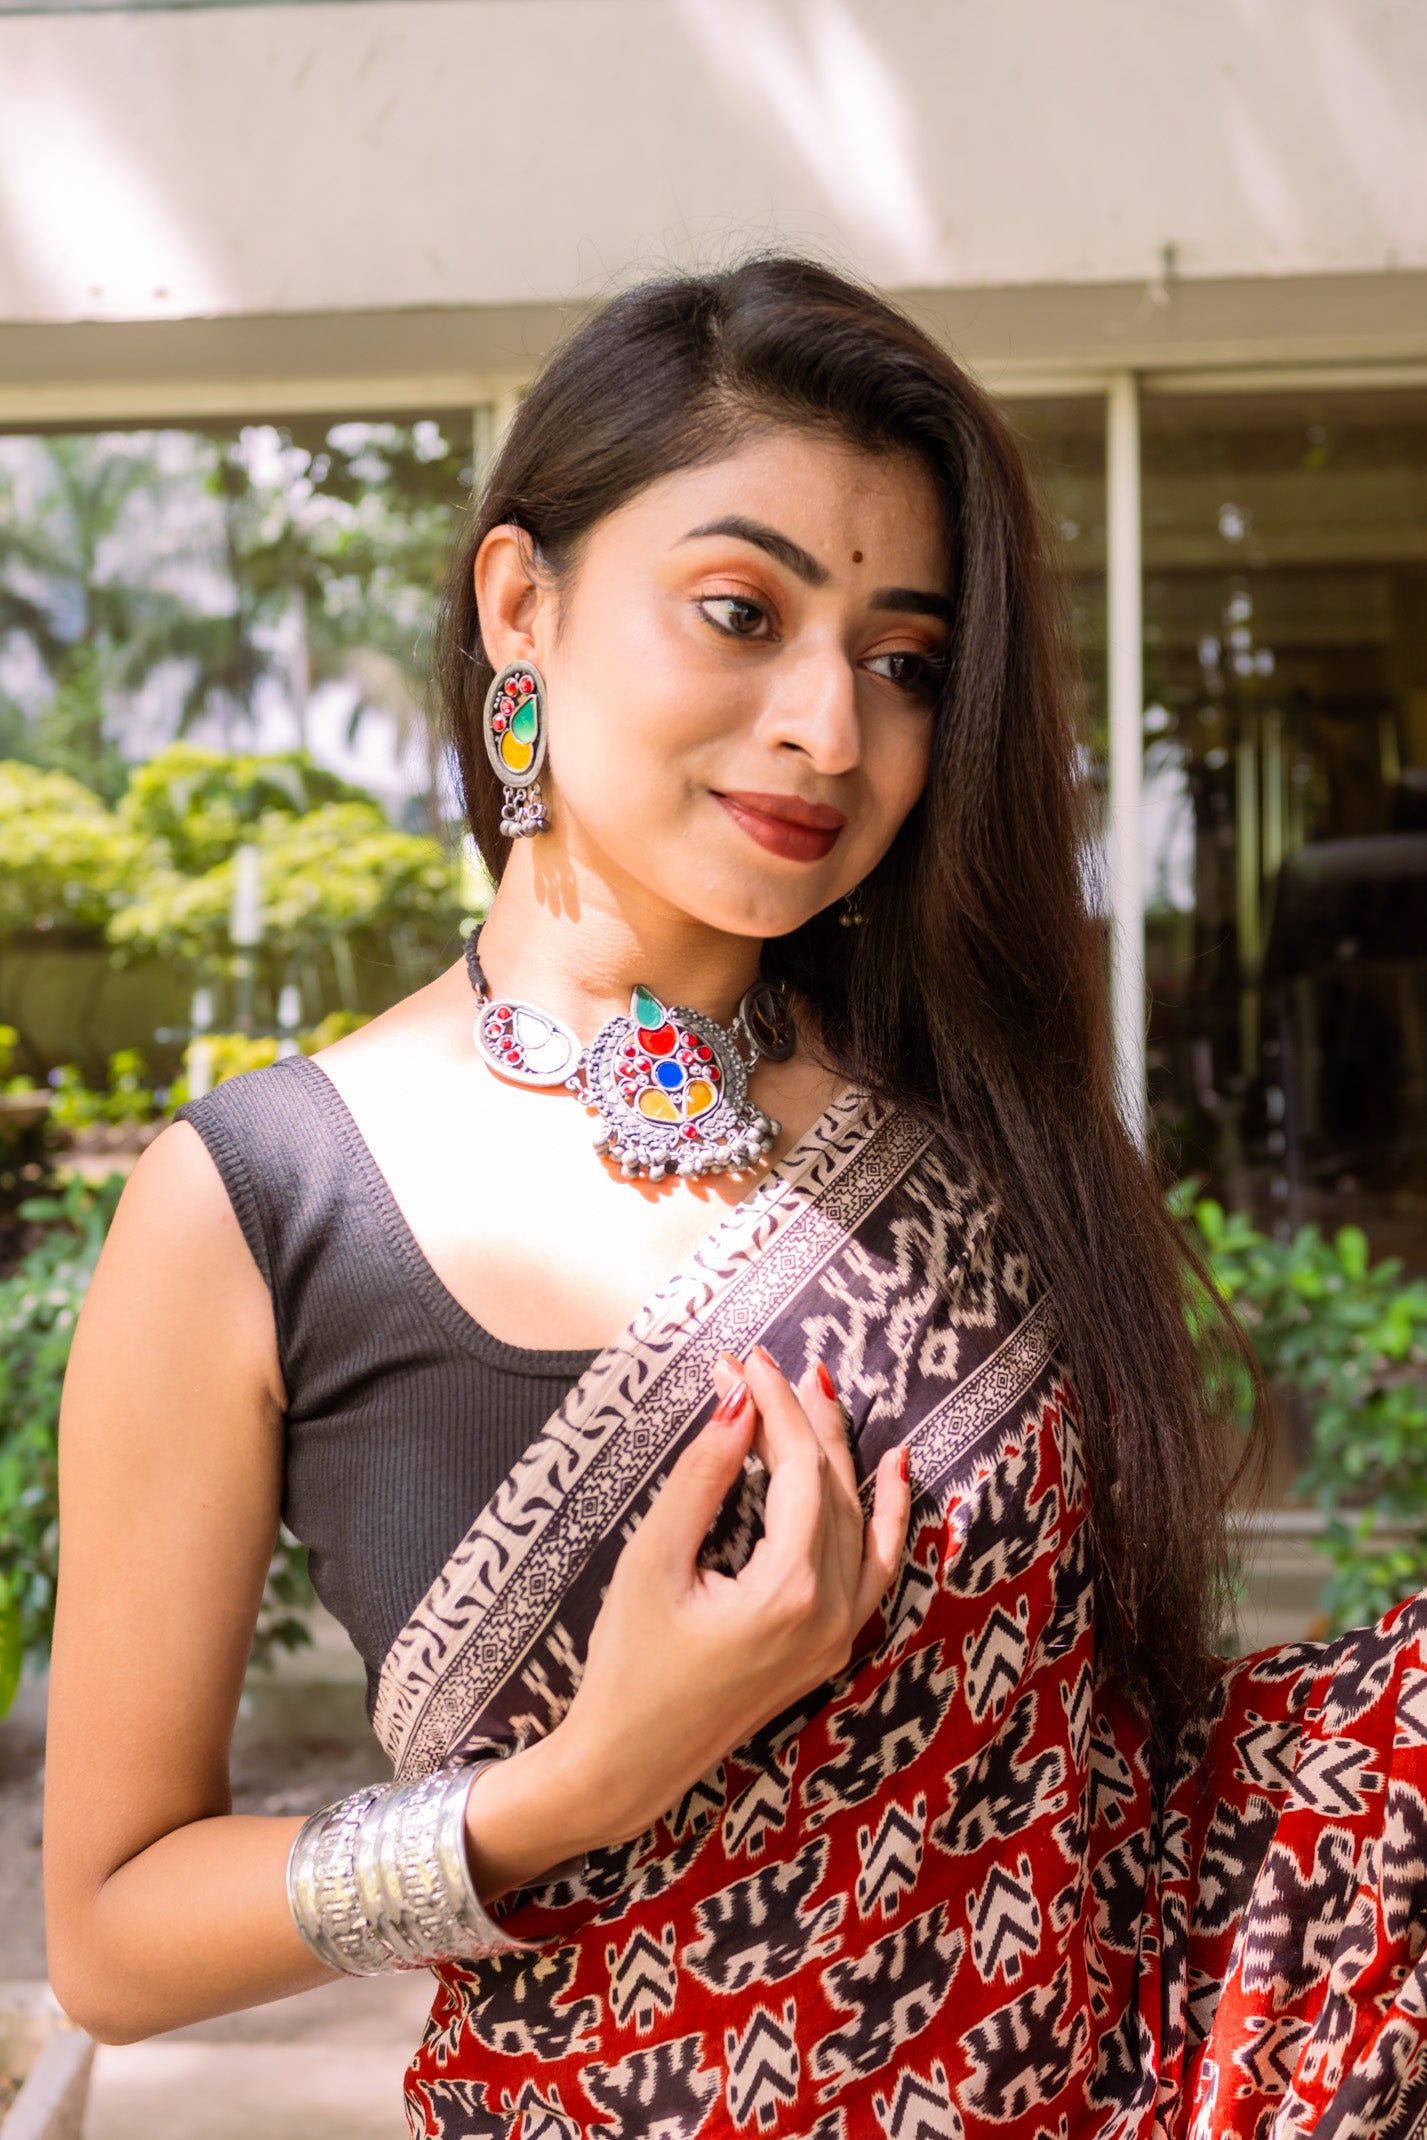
x,y
684,1663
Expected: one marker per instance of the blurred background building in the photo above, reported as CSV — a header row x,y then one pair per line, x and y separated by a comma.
x,y
272,277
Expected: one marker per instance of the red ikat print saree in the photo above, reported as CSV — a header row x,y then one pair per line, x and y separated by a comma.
x,y
940,1900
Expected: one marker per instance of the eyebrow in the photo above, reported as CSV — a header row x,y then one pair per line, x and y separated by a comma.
x,y
910,601
782,547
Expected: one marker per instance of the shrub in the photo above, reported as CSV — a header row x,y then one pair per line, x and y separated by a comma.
x,y
69,863
1351,1337
338,871
39,1305
198,805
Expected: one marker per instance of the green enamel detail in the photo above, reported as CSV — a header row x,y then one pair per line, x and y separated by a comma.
x,y
522,725
646,1010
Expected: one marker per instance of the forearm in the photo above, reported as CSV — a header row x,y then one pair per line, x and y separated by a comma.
x,y
195,1925
534,1811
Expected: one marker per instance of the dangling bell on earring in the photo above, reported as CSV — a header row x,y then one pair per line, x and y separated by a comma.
x,y
852,916
513,725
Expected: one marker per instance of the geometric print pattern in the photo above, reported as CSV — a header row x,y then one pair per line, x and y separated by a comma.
x,y
942,1900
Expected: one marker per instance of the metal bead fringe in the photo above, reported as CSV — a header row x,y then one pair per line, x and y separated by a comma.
x,y
523,812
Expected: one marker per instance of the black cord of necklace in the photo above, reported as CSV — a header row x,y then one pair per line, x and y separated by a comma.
x,y
474,967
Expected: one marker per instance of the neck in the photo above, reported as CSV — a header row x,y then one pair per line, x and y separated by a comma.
x,y
578,951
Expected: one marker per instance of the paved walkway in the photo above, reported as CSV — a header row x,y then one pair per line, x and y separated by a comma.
x,y
326,2066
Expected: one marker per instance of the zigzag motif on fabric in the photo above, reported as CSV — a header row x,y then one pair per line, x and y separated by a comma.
x,y
890,1859
642,1978
919,2109
995,1655
1332,1776
1005,1922
763,2066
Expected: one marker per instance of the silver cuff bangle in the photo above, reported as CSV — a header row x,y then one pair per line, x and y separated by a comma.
x,y
382,1880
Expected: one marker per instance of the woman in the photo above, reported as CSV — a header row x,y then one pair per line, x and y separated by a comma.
x,y
800,1690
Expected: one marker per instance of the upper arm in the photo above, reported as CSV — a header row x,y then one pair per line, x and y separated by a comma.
x,y
170,1488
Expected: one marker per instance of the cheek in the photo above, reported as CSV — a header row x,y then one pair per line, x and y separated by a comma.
x,y
898,765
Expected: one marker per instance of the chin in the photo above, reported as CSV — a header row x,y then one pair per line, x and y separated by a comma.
x,y
735,917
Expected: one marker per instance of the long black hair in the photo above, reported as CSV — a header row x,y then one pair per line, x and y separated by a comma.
x,y
975,993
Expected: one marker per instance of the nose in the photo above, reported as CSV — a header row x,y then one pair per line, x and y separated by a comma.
x,y
813,710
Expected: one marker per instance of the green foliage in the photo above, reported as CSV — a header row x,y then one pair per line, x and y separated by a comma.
x,y
39,1306
318,550
127,1099
9,1045
1351,1337
155,877
69,863
199,805
87,555
340,870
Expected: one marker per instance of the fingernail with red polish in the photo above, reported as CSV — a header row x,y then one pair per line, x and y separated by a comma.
x,y
825,1381
904,1460
761,1352
728,1408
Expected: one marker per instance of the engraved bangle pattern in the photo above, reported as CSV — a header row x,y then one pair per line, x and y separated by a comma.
x,y
382,1880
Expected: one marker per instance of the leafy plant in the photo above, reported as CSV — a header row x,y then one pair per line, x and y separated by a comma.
x,y
69,863
337,871
1351,1337
39,1305
196,805
127,1100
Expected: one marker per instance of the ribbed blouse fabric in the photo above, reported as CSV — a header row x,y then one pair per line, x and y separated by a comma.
x,y
404,1414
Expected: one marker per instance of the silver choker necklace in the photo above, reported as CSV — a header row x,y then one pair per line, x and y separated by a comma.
x,y
668,1087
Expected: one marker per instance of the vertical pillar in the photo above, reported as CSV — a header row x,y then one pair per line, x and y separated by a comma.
x,y
1124,843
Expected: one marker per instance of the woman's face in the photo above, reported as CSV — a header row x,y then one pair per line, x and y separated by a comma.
x,y
742,673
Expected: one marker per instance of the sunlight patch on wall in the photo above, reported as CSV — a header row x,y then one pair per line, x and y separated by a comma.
x,y
90,234
839,104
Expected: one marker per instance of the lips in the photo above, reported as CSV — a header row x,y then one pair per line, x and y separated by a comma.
x,y
785,824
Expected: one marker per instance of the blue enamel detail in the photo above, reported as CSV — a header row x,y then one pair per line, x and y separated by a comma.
x,y
669,1075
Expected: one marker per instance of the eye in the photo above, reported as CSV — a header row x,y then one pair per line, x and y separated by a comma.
x,y
735,614
921,674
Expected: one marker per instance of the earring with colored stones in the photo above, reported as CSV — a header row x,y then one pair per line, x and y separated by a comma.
x,y
514,728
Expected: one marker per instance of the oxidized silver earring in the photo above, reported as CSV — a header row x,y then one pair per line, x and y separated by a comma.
x,y
514,728
852,916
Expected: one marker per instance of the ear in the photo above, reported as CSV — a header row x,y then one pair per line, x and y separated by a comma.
x,y
511,596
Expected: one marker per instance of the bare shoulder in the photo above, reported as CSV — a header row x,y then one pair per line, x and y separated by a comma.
x,y
426,1036
176,1268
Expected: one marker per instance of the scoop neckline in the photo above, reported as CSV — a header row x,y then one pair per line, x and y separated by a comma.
x,y
452,1313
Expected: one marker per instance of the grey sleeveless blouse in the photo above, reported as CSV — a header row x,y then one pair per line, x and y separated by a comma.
x,y
404,1415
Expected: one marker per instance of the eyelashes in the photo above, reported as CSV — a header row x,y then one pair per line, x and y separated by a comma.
x,y
740,616
735,626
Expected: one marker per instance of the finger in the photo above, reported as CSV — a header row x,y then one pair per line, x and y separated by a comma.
x,y
842,1534
695,1490
796,1509
727,1369
817,1393
787,1427
886,1533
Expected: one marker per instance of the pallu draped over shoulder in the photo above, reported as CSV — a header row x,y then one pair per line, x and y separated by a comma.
x,y
940,1899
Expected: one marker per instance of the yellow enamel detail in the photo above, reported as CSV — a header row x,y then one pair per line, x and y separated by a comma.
x,y
514,754
656,1105
699,1098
